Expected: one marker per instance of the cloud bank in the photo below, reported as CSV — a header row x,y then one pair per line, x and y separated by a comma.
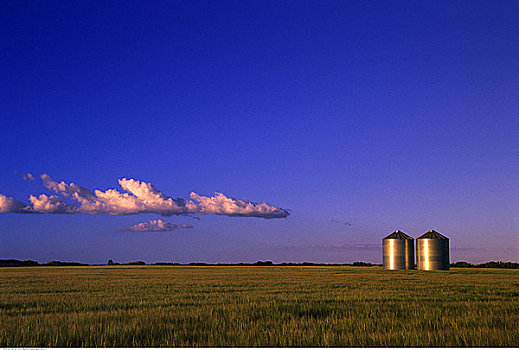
x,y
155,226
136,197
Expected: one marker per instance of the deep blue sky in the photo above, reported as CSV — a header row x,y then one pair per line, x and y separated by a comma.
x,y
382,114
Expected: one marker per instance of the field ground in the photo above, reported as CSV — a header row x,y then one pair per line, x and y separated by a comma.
x,y
144,306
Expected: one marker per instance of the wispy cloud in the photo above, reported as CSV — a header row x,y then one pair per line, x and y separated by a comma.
x,y
28,177
347,223
339,246
136,197
155,226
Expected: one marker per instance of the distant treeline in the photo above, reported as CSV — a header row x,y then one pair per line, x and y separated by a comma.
x,y
490,264
14,263
19,263
269,263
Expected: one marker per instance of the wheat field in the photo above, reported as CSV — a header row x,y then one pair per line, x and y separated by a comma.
x,y
155,306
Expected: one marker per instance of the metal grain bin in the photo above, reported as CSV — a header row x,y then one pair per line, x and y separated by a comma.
x,y
432,251
398,251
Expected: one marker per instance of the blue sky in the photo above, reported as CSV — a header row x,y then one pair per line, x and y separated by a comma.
x,y
381,114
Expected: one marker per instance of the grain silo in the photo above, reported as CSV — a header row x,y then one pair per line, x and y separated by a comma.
x,y
398,251
432,251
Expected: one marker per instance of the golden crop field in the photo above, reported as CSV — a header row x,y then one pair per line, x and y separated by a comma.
x,y
124,306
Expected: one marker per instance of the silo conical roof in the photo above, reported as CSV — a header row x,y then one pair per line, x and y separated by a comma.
x,y
432,234
398,235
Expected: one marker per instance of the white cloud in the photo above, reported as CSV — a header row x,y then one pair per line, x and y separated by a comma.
x,y
138,198
51,205
11,205
73,191
155,226
223,205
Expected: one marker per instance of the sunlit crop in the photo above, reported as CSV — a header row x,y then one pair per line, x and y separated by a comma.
x,y
124,306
